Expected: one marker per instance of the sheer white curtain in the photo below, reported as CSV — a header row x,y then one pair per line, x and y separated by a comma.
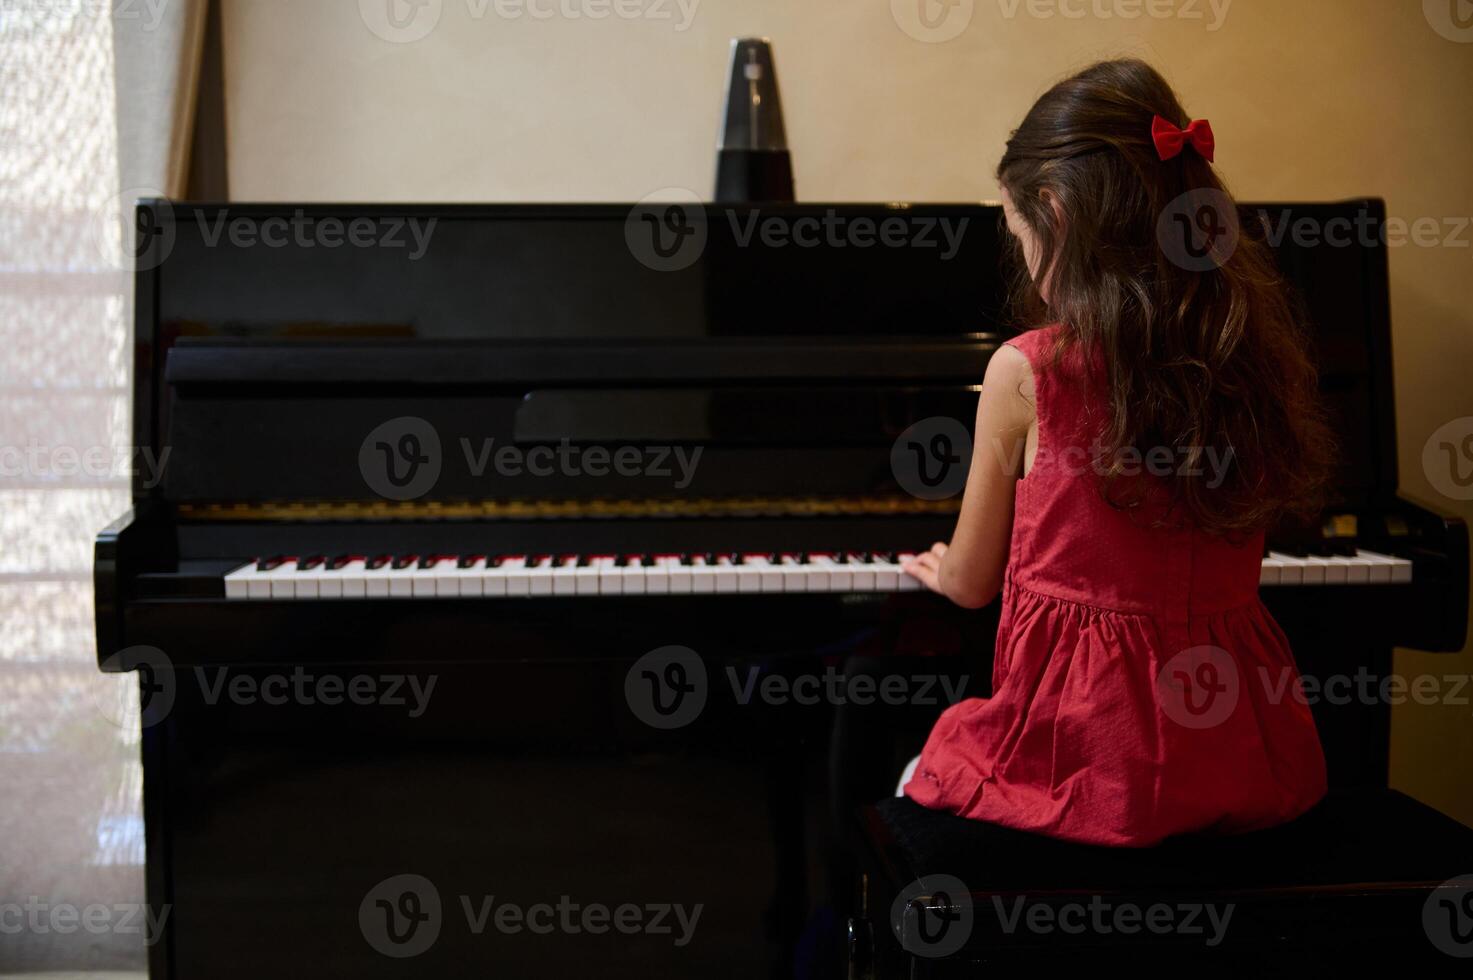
x,y
71,846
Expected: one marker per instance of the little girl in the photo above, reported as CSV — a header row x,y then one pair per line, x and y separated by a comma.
x,y
1128,459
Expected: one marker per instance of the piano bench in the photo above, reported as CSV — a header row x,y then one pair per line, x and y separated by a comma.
x,y
1361,877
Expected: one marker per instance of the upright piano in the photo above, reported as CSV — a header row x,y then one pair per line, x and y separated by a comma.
x,y
492,550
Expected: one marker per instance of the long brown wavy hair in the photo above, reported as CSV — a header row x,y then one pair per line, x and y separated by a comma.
x,y
1199,362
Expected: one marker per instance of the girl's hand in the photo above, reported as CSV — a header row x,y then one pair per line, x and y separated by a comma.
x,y
926,568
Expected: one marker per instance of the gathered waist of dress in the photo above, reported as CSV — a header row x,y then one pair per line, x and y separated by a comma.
x,y
1219,604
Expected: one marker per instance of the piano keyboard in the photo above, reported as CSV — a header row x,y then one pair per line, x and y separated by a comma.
x,y
446,576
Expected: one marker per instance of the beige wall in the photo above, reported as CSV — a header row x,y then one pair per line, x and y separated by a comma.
x,y
1311,99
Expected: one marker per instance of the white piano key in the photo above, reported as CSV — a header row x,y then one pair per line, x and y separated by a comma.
x,y
376,580
657,575
1337,570
864,574
237,581
841,576
351,580
329,581
401,580
1291,568
1381,565
794,574
281,580
305,581
887,576
726,574
908,583
563,570
610,577
1270,571
464,582
537,580
770,574
424,582
1314,570
585,579
517,575
680,577
1358,569
1401,568
820,569
489,579
636,575
749,573
703,576
497,574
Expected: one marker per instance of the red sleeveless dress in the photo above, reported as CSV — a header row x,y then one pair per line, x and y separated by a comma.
x,y
1140,687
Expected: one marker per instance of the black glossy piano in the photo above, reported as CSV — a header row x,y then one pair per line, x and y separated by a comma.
x,y
519,587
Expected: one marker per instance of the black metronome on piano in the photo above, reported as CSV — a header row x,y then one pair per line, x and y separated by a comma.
x,y
752,158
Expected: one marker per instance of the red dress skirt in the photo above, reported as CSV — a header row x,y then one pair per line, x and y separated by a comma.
x,y
1140,687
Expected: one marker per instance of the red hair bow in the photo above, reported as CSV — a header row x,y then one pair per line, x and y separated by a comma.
x,y
1170,140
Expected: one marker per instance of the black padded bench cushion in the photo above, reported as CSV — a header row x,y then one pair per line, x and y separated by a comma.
x,y
1351,838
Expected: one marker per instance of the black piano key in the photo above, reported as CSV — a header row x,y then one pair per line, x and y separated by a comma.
x,y
429,561
887,557
466,561
379,561
267,564
647,561
405,561
339,562
310,563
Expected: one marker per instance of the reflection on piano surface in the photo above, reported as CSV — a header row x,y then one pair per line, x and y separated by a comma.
x,y
265,372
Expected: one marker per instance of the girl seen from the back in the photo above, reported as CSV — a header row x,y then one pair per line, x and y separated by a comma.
x,y
1128,458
